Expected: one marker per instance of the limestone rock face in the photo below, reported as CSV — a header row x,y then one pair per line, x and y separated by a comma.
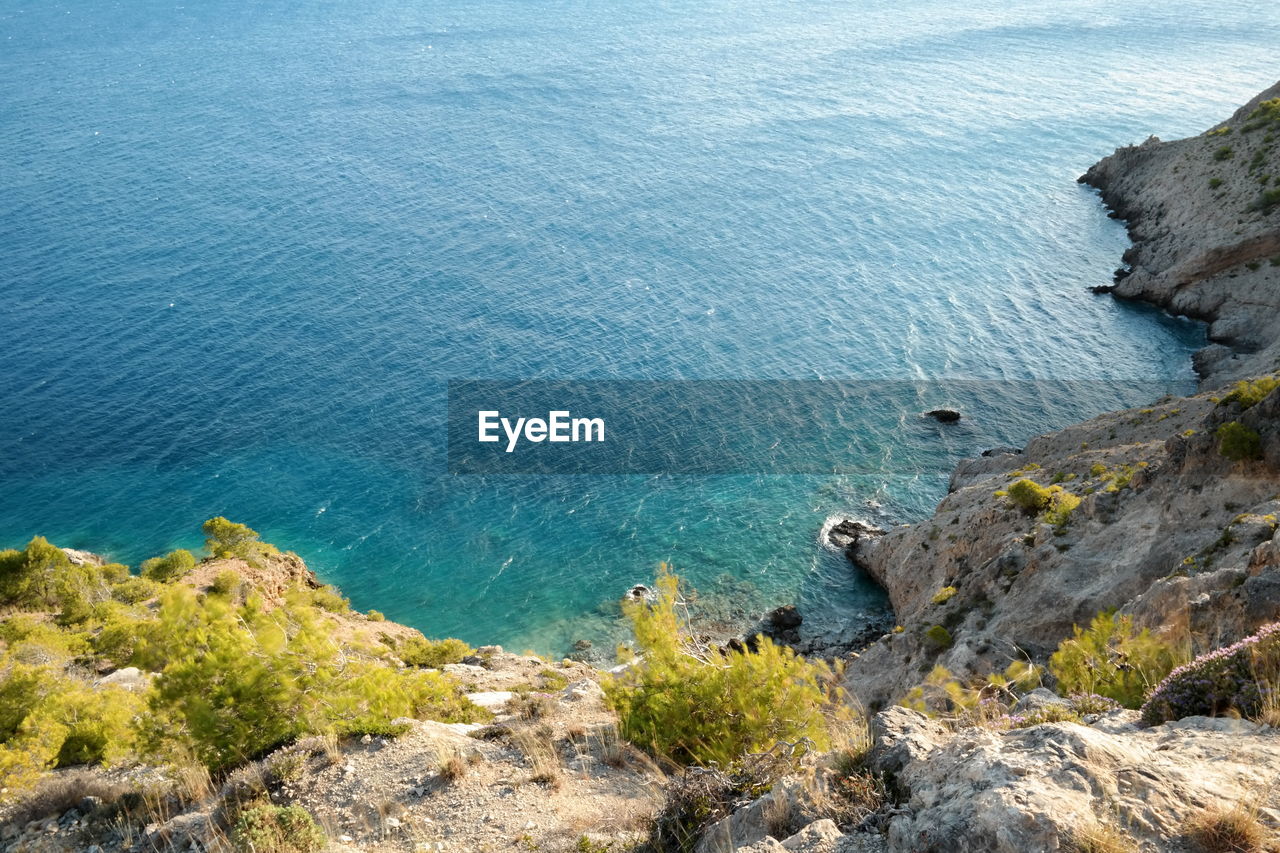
x,y
1167,529
1034,789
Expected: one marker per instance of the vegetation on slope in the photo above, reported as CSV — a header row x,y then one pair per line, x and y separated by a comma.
x,y
225,675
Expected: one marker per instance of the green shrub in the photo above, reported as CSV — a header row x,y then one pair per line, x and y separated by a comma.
x,y
126,639
330,598
376,616
33,639
418,651
227,539
170,567
944,595
1250,392
1053,504
241,681
1031,497
1238,442
1269,199
700,706
226,583
1110,659
1061,505
1265,113
1223,153
42,577
277,829
48,720
1214,183
939,637
134,590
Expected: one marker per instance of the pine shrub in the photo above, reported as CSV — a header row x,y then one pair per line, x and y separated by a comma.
x,y
433,654
1238,442
1111,659
695,706
170,567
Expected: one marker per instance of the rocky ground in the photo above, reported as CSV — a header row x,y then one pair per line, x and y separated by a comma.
x,y
547,773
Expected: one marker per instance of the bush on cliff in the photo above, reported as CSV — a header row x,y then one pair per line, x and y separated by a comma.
x,y
433,654
243,680
42,577
1238,442
170,567
1053,504
228,539
1111,659
1250,392
277,829
48,720
694,705
1238,678
234,678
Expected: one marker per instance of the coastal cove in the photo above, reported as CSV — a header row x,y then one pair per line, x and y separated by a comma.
x,y
384,473
242,294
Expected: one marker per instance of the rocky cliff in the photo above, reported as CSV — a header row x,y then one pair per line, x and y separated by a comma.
x,y
1204,217
1168,528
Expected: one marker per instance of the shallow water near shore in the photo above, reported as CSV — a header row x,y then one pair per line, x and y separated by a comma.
x,y
246,244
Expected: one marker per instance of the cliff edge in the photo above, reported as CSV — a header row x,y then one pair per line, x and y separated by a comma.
x,y
1204,217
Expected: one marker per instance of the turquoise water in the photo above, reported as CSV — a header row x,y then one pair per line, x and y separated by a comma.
x,y
245,244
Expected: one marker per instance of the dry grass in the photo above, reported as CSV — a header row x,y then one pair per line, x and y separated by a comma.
x,y
780,818
537,744
1228,830
452,768
613,749
1101,838
1269,709
325,745
60,792
192,783
531,706
850,746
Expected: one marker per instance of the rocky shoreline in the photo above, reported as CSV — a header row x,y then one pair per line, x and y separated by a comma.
x,y
1202,247
1205,233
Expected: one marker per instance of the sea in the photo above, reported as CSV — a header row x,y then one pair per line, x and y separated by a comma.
x,y
246,244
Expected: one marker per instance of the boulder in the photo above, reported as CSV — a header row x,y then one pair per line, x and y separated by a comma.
x,y
821,836
1038,700
946,416
1036,788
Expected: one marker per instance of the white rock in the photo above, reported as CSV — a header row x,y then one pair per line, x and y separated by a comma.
x,y
818,837
491,699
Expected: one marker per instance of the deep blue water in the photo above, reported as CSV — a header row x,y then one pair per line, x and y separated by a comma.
x,y
244,244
